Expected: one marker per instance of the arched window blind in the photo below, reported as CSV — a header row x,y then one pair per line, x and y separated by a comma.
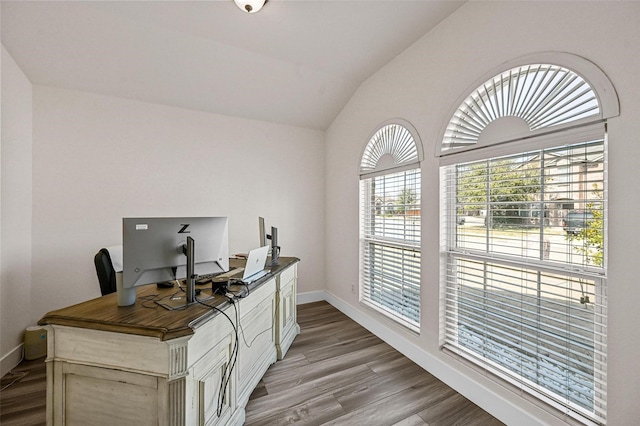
x,y
525,269
391,147
530,99
390,223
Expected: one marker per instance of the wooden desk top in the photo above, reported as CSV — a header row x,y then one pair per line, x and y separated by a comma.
x,y
145,317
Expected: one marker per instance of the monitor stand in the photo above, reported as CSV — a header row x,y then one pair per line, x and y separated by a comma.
x,y
179,301
126,296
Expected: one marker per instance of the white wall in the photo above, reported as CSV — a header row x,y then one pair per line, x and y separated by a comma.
x,y
421,86
97,159
15,259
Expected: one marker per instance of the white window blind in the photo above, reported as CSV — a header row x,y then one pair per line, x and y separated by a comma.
x,y
390,225
525,274
539,95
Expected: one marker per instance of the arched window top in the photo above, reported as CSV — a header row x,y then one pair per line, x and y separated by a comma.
x,y
394,146
530,98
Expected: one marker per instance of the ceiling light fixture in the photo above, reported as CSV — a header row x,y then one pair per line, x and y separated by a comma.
x,y
250,6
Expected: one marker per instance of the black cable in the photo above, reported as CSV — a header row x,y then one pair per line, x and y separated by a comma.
x,y
228,368
149,298
226,376
239,282
246,286
248,345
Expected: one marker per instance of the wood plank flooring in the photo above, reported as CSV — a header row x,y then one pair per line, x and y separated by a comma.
x,y
23,395
336,373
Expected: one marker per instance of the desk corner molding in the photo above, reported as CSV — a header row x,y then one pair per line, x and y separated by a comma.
x,y
178,359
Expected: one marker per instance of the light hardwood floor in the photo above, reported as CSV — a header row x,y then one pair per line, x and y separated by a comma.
x,y
23,395
335,373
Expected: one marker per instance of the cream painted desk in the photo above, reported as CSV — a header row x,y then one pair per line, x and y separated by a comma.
x,y
145,365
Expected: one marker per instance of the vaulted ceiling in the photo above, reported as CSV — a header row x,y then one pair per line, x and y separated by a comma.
x,y
294,62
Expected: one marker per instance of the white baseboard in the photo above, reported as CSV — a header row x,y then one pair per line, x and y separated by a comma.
x,y
312,296
11,360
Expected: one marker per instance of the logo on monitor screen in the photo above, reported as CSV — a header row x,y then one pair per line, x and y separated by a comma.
x,y
183,230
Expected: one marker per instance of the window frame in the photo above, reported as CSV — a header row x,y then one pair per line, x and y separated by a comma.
x,y
452,255
540,139
388,263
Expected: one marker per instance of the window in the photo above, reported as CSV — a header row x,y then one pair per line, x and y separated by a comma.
x,y
524,236
390,224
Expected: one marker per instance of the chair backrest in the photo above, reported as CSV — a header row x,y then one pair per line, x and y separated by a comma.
x,y
105,271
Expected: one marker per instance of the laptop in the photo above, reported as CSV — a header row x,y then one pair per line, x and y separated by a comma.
x,y
254,268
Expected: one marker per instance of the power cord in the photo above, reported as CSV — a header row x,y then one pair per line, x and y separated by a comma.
x,y
19,375
248,345
228,368
240,282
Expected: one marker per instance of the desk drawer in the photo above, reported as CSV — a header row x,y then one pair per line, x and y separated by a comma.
x,y
288,275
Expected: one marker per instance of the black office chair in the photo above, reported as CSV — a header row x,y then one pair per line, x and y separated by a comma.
x,y
105,271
